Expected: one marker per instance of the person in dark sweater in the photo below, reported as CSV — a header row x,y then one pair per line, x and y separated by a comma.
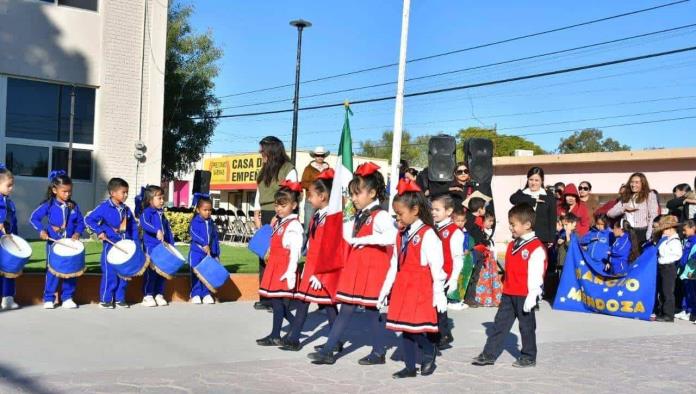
x,y
544,205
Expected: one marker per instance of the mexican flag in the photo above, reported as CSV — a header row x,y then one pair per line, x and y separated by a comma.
x,y
329,260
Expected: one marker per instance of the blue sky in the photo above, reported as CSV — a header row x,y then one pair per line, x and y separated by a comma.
x,y
260,46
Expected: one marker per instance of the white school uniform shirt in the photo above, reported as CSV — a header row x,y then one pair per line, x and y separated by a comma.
x,y
456,247
430,255
670,251
293,238
292,176
383,229
535,267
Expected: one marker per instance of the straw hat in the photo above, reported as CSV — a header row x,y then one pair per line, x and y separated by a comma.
x,y
667,221
319,151
476,194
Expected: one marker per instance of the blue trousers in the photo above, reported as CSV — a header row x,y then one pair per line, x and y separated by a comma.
x,y
153,283
7,287
377,328
689,303
409,342
52,283
197,287
111,287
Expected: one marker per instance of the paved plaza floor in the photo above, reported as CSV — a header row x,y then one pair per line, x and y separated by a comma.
x,y
200,348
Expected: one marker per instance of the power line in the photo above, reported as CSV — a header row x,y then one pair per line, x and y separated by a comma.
x,y
504,41
469,68
469,86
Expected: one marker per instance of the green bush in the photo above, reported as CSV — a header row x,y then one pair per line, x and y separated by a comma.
x,y
180,223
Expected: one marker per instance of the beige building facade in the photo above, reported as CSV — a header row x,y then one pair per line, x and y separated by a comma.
x,y
109,56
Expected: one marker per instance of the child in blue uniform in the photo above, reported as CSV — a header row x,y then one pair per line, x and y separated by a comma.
x,y
63,220
598,241
204,242
112,220
156,230
687,267
8,225
624,249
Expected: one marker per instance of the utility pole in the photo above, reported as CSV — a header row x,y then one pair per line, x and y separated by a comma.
x,y
300,25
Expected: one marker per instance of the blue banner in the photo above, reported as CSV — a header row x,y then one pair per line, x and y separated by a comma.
x,y
585,287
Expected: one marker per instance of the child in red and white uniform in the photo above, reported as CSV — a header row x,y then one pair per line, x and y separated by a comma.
x,y
314,287
452,239
280,276
371,236
418,278
525,264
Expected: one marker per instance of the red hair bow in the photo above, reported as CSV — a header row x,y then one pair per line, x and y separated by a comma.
x,y
294,186
327,174
366,169
406,186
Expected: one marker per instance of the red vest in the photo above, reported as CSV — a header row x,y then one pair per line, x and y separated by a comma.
x,y
446,233
517,266
278,253
410,259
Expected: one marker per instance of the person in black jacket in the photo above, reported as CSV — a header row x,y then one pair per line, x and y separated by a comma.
x,y
543,203
682,205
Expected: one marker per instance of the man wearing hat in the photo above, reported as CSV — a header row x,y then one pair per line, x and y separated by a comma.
x,y
309,175
669,253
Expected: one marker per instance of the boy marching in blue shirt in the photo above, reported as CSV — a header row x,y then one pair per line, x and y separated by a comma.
x,y
204,242
8,225
156,230
112,220
63,220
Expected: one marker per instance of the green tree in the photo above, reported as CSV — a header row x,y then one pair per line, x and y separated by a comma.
x,y
503,145
415,151
190,108
590,140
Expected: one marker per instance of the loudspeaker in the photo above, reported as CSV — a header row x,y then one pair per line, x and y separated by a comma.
x,y
201,182
478,153
441,158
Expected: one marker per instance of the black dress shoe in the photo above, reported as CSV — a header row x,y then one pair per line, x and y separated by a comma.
x,y
444,342
321,358
372,359
665,319
405,373
337,349
292,346
268,341
481,360
428,366
524,363
260,306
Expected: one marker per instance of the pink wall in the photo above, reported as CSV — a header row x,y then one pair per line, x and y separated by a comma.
x,y
182,191
605,177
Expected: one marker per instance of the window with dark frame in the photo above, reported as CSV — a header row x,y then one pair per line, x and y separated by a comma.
x,y
81,162
26,160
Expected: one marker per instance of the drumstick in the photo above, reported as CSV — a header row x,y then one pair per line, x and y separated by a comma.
x,y
58,241
116,246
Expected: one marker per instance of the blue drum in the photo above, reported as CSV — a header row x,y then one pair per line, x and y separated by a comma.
x,y
166,260
127,258
14,254
261,241
211,273
66,258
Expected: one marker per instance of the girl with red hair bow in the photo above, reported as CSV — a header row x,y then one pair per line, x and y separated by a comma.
x,y
280,276
370,234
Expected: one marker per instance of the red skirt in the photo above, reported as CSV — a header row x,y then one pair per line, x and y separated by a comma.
x,y
271,286
323,296
411,303
362,276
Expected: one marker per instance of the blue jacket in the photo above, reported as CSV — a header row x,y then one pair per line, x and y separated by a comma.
x,y
151,221
116,221
620,251
204,233
8,214
62,221
689,250
598,243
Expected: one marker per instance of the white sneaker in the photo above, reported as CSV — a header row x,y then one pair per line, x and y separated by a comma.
x,y
196,300
49,305
682,316
159,299
208,300
69,304
149,301
9,303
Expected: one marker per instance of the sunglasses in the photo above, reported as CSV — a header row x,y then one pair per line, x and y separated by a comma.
x,y
584,188
461,172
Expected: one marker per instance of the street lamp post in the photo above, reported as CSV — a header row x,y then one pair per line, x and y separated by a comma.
x,y
300,24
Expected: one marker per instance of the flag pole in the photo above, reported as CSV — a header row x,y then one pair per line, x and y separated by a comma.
x,y
399,107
